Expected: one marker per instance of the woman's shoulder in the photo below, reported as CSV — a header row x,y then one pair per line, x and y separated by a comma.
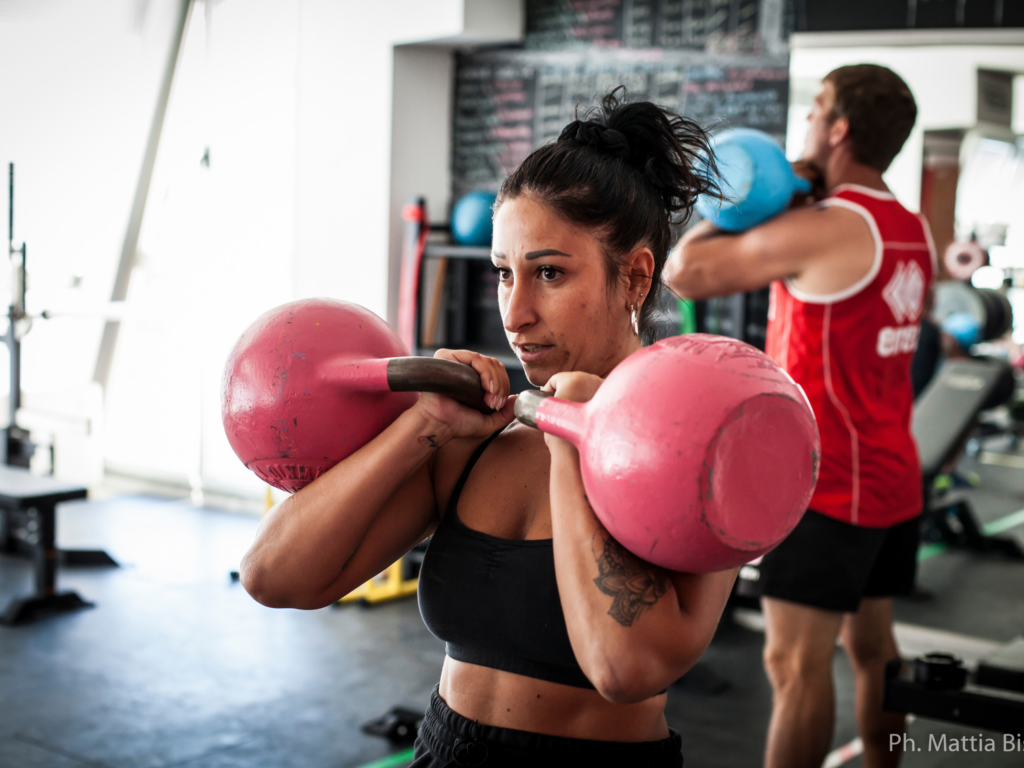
x,y
511,446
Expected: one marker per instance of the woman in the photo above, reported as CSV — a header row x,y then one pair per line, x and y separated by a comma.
x,y
560,643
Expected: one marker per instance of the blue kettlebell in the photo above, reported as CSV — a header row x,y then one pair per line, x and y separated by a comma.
x,y
472,218
755,177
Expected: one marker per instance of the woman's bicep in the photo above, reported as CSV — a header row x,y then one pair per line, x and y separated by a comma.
x,y
407,518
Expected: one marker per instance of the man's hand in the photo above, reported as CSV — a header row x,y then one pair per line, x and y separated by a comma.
x,y
813,174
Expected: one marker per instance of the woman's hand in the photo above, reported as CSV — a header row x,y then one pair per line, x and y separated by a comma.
x,y
463,421
570,385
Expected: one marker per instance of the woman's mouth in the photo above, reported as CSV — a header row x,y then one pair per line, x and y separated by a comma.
x,y
531,353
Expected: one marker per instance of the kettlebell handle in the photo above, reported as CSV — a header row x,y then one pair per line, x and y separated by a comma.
x,y
801,185
561,418
443,377
527,404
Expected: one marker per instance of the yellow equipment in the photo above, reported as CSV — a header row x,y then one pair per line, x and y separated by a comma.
x,y
389,584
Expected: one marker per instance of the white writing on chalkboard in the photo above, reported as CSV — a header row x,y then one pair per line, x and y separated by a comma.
x,y
507,103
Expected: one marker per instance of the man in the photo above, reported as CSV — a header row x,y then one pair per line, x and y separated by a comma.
x,y
849,276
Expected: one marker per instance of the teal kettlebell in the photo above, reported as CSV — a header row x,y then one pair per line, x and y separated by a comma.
x,y
755,177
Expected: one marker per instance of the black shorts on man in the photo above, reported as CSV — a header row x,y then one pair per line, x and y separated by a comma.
x,y
828,564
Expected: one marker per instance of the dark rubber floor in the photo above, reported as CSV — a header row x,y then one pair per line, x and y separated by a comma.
x,y
177,666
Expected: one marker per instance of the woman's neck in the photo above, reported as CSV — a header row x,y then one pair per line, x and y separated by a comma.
x,y
623,350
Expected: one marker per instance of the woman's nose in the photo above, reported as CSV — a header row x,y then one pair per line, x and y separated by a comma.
x,y
518,310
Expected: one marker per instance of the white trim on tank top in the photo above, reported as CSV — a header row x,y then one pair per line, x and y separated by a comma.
x,y
875,193
826,364
864,282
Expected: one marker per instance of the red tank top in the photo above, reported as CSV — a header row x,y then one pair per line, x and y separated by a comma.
x,y
851,353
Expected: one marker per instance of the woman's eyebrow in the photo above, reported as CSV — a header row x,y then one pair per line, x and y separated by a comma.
x,y
498,256
546,252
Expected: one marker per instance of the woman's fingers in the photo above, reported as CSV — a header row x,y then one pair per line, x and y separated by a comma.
x,y
502,416
493,376
573,385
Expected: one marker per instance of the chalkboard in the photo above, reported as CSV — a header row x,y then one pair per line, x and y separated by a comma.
x,y
720,62
493,124
507,103
832,16
711,25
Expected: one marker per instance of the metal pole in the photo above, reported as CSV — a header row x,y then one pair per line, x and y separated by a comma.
x,y
15,309
131,238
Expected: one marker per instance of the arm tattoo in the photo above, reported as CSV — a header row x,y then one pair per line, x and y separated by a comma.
x,y
428,438
633,584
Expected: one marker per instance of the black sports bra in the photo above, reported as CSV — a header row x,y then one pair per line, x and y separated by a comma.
x,y
495,601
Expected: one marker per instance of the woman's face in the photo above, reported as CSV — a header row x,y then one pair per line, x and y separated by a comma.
x,y
559,312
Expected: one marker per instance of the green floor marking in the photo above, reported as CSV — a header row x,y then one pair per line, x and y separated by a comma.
x,y
1003,524
392,761
926,551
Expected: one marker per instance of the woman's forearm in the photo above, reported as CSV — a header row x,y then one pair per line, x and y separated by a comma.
x,y
304,543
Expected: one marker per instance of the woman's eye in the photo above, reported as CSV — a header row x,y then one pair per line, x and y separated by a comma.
x,y
548,273
501,272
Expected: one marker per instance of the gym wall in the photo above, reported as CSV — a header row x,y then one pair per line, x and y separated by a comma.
x,y
272,182
79,90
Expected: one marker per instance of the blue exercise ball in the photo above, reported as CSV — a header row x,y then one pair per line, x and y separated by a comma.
x,y
472,218
755,177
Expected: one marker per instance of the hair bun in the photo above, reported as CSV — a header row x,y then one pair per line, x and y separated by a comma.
x,y
591,133
671,152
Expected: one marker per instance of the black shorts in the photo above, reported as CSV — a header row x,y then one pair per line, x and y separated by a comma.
x,y
447,738
832,565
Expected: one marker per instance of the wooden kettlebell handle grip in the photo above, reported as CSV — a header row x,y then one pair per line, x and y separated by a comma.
x,y
527,404
444,377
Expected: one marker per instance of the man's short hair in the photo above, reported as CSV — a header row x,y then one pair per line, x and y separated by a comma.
x,y
879,107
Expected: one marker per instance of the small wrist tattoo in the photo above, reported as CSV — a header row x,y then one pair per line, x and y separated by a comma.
x,y
430,439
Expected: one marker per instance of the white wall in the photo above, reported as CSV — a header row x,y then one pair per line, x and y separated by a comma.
x,y
78,92
345,209
318,129
216,246
424,78
942,77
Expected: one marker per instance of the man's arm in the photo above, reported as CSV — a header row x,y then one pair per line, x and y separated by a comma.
x,y
829,248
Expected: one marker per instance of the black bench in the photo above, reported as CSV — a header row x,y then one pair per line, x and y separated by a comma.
x,y
945,415
992,697
28,523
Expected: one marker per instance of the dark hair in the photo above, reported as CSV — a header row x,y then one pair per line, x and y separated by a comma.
x,y
879,108
627,172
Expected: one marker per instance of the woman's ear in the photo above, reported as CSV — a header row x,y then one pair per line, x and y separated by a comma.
x,y
636,274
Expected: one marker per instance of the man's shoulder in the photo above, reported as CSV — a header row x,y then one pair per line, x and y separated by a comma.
x,y
830,222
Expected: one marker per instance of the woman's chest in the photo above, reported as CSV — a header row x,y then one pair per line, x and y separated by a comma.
x,y
506,494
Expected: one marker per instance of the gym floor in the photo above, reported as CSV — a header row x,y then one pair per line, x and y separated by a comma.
x,y
177,666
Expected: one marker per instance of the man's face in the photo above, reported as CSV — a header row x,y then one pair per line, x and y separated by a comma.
x,y
817,144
